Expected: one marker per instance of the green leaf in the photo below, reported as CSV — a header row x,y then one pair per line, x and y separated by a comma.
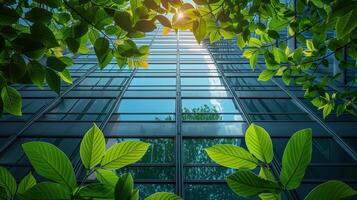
x,y
145,26
199,30
298,54
254,42
327,110
346,24
247,184
310,45
65,76
11,99
73,44
51,3
124,187
123,20
79,29
48,191
259,143
253,59
296,157
266,174
103,52
58,64
232,156
240,41
214,36
266,75
106,177
8,16
39,15
163,196
273,34
163,20
92,147
43,34
53,80
37,73
50,162
26,183
8,182
97,191
123,154
331,190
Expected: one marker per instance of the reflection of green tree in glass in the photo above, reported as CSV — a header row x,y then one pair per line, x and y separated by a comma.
x,y
202,113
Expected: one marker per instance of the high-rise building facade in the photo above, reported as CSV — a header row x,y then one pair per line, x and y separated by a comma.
x,y
191,97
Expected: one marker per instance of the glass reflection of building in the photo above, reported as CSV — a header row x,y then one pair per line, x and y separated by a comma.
x,y
191,97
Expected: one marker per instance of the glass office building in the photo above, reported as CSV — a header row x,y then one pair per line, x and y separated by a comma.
x,y
191,97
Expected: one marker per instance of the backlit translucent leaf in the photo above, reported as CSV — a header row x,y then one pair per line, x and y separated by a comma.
x,y
247,184
163,196
232,156
259,143
123,154
296,158
331,190
50,162
92,147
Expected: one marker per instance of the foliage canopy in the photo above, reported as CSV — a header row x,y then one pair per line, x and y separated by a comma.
x,y
36,37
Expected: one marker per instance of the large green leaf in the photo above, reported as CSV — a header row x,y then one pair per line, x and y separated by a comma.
x,y
331,190
92,147
43,34
50,162
26,183
37,73
145,26
103,52
53,80
66,76
124,187
247,184
163,196
58,64
214,36
296,157
266,75
48,191
346,24
199,30
123,154
106,177
266,174
259,143
232,156
39,15
97,191
123,20
8,182
11,99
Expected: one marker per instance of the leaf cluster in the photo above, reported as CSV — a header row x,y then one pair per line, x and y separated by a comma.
x,y
51,163
260,153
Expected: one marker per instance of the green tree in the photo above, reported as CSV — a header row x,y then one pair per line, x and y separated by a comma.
x,y
51,163
296,158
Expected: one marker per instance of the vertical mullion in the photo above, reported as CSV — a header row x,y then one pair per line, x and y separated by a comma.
x,y
179,155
